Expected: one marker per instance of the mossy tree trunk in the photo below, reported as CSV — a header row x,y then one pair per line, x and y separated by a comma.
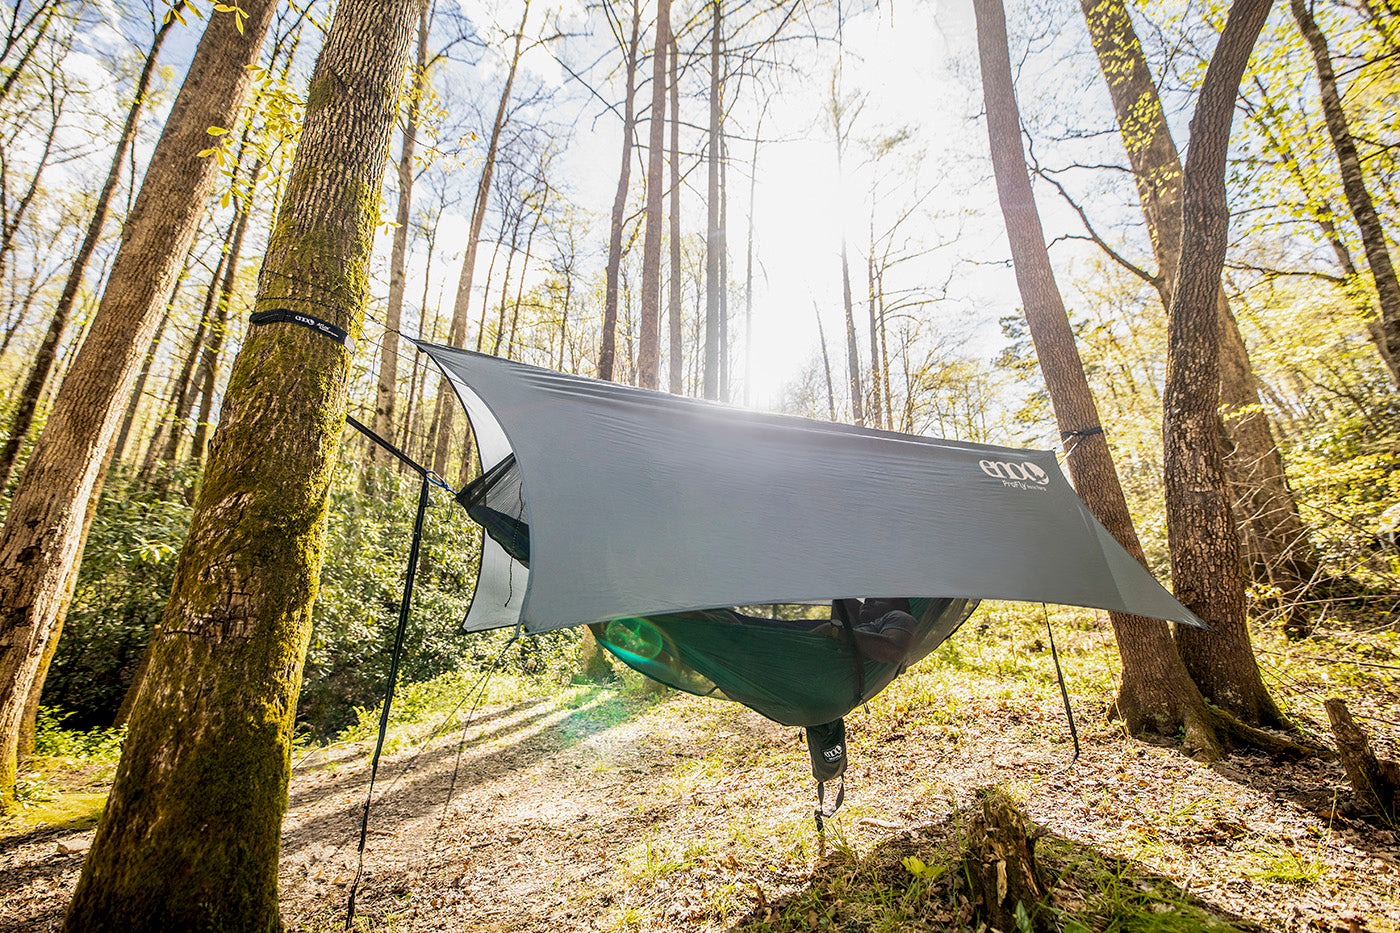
x,y
45,526
1207,573
1157,694
189,839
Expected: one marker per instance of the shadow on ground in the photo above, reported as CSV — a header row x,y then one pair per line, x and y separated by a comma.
x,y
914,880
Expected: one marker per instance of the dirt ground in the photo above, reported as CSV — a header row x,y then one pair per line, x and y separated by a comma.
x,y
602,810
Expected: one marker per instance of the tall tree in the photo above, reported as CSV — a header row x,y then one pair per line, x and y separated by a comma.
x,y
842,112
1386,331
1157,694
607,352
58,324
649,350
714,232
398,256
1206,571
43,532
677,362
189,838
461,305
1280,551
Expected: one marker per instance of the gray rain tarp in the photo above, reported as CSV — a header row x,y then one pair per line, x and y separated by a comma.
x,y
641,503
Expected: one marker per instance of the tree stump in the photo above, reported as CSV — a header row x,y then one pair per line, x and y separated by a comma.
x,y
1000,863
1375,780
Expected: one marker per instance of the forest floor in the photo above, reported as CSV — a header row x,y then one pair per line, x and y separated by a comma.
x,y
608,808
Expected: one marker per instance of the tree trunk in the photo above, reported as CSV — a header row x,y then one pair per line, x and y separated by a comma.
x,y
398,259
1387,334
649,352
999,863
826,365
714,234
1280,550
1376,781
43,362
677,361
1157,694
189,838
209,365
748,263
1206,569
138,392
165,442
457,335
43,531
607,352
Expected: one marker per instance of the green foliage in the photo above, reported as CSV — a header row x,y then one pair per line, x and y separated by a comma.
x,y
51,738
127,571
129,566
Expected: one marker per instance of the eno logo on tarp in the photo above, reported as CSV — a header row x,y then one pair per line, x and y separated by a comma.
x,y
1023,475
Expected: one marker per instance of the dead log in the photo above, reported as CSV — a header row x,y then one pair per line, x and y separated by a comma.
x,y
1376,781
999,862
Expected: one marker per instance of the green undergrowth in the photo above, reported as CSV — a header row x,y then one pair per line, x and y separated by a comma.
x,y
64,783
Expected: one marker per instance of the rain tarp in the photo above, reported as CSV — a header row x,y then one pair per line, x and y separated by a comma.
x,y
639,503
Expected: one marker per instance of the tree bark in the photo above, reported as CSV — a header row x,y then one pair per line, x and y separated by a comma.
x,y
42,536
1207,573
649,351
677,361
826,365
1387,334
457,334
1157,694
213,347
714,234
1280,551
999,862
189,838
43,362
398,258
607,352
1376,781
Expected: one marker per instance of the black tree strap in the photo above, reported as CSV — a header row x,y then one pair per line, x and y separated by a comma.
x,y
428,478
288,316
1064,693
1080,437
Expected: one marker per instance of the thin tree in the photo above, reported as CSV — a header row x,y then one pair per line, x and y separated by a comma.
x,y
398,256
43,532
842,113
1386,331
677,360
457,334
190,834
714,234
607,352
43,362
1206,571
649,350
